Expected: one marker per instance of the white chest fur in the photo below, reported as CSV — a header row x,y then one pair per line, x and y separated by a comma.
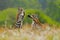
x,y
22,13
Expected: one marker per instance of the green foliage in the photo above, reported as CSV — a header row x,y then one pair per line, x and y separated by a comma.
x,y
9,15
22,3
41,15
52,6
53,9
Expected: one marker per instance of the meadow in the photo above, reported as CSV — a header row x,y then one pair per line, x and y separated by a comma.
x,y
48,12
8,18
27,33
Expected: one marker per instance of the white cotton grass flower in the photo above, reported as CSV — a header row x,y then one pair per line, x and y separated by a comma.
x,y
56,37
2,35
29,34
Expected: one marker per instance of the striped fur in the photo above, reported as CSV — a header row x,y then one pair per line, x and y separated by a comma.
x,y
35,21
37,24
20,17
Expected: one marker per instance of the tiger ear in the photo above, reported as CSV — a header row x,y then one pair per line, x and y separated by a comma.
x,y
19,8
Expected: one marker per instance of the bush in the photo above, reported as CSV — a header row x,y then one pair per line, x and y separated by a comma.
x,y
9,15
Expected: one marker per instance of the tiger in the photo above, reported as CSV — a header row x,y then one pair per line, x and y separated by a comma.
x,y
36,23
20,17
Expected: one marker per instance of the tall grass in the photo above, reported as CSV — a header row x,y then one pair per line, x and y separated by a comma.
x,y
26,33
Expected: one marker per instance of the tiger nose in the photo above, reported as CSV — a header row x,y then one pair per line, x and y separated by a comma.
x,y
29,16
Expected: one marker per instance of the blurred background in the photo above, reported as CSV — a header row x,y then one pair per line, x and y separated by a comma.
x,y
48,11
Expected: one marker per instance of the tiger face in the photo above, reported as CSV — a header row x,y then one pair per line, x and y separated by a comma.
x,y
20,17
36,23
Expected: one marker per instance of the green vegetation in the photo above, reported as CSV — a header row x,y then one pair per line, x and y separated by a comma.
x,y
48,11
9,15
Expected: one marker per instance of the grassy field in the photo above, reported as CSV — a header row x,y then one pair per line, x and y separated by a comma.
x,y
26,33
